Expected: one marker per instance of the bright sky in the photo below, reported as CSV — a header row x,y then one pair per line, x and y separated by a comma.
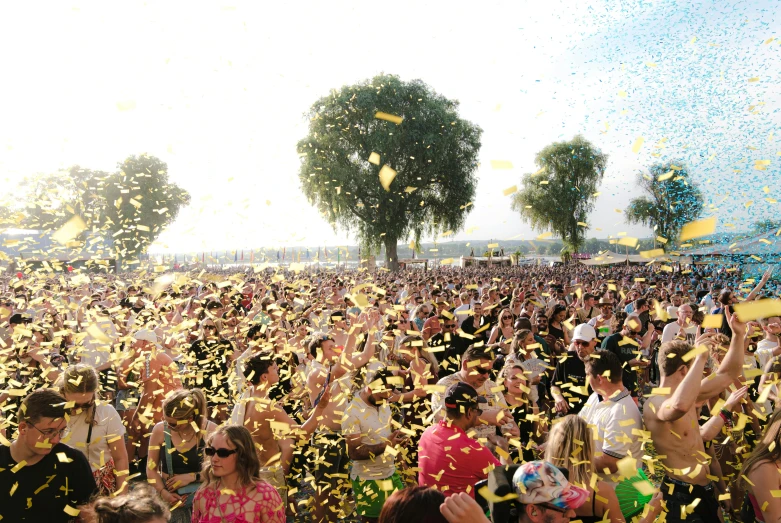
x,y
219,93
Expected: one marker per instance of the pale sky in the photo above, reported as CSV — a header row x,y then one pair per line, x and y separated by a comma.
x,y
218,90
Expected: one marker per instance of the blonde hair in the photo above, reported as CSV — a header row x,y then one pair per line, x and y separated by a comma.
x,y
570,445
422,349
78,379
183,403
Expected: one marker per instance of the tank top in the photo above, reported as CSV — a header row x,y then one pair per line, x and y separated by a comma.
x,y
184,462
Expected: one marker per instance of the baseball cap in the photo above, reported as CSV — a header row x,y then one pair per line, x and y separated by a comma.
x,y
539,482
462,394
584,332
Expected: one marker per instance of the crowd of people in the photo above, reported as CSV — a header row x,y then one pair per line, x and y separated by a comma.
x,y
614,393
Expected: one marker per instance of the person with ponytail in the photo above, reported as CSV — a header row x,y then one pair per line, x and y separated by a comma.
x,y
94,427
140,505
232,490
176,450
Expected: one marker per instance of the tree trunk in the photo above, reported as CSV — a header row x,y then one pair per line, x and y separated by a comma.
x,y
391,259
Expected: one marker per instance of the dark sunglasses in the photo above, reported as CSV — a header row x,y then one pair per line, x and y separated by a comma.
x,y
482,370
450,326
83,406
222,453
210,327
554,508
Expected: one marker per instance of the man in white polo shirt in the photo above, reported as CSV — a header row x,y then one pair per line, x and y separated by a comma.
x,y
612,415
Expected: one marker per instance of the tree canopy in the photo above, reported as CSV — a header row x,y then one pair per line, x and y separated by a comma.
x,y
671,200
351,150
131,206
561,194
140,203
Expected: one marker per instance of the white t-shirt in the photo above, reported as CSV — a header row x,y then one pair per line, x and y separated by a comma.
x,y
764,352
671,331
609,420
374,426
109,428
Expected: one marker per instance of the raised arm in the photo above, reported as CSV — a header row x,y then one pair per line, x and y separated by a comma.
x,y
731,366
762,282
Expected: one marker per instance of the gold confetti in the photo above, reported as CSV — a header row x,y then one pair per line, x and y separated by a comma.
x,y
638,145
374,158
712,321
753,310
70,230
698,228
388,117
510,190
501,164
387,175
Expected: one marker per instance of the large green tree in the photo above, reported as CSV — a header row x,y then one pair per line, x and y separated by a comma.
x,y
562,192
432,150
140,203
671,200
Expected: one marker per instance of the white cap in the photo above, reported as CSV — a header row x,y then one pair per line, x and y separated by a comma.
x,y
146,335
584,332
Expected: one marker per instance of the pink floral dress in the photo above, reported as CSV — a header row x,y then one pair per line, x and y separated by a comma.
x,y
261,504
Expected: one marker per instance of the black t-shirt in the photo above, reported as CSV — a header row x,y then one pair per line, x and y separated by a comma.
x,y
572,370
70,483
625,353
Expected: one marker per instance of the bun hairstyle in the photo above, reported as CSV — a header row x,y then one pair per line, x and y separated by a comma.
x,y
140,505
183,403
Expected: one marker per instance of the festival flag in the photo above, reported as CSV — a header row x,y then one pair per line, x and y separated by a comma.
x,y
277,254
252,255
203,257
242,255
235,256
283,253
307,253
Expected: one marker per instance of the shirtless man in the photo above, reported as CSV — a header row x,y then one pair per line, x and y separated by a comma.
x,y
258,412
329,460
156,374
672,421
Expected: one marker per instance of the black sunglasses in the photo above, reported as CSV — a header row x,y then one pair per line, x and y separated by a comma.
x,y
210,327
482,370
83,406
222,453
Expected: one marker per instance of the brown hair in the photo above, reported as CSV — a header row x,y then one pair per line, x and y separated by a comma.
x,y
518,339
247,462
671,354
183,403
140,505
768,448
419,504
43,403
602,361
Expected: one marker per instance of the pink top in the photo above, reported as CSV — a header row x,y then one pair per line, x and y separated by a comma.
x,y
452,461
245,506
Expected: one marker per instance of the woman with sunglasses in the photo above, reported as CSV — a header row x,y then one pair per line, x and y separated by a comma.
x,y
556,327
503,332
94,427
176,450
232,490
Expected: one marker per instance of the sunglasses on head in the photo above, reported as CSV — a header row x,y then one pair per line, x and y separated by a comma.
x,y
222,453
